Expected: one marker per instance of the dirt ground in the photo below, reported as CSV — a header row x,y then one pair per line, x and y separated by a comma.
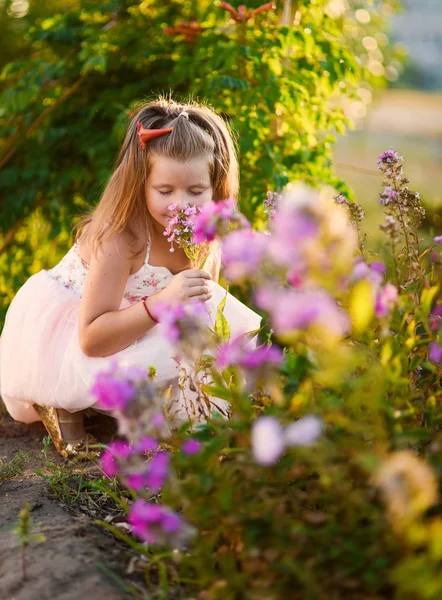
x,y
78,559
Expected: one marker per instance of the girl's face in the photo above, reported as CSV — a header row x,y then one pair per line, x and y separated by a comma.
x,y
174,182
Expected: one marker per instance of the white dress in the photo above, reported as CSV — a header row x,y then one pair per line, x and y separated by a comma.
x,y
40,356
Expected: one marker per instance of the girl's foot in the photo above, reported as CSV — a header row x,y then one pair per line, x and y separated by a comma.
x,y
71,425
67,432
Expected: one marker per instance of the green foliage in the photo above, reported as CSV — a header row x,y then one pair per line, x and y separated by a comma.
x,y
14,467
64,104
23,531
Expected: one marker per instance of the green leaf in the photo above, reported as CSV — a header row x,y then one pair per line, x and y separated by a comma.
x,y
217,391
427,297
222,328
95,63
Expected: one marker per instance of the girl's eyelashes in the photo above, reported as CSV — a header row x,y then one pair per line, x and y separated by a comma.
x,y
167,193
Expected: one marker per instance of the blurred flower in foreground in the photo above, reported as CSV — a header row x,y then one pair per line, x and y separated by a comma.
x,y
237,353
156,524
435,354
130,464
135,398
191,447
115,388
243,252
270,438
408,485
217,219
295,310
386,298
435,318
303,432
267,440
185,326
258,364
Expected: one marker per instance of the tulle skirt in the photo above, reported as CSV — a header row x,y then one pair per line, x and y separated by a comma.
x,y
41,360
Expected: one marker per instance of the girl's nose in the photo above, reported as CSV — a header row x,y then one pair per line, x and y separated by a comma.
x,y
182,201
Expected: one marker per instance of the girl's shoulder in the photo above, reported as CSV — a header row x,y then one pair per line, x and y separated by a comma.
x,y
124,246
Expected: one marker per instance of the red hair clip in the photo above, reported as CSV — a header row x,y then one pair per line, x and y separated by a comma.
x,y
145,135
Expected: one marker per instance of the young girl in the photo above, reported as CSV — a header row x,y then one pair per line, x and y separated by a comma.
x,y
98,302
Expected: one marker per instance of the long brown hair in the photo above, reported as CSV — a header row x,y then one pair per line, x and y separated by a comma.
x,y
204,133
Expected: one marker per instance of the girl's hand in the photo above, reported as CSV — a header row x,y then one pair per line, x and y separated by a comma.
x,y
188,286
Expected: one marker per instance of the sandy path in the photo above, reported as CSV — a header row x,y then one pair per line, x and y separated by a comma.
x,y
65,566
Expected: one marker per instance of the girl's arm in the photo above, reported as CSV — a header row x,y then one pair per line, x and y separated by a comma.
x,y
104,329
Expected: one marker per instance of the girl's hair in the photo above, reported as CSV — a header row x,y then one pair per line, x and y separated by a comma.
x,y
204,133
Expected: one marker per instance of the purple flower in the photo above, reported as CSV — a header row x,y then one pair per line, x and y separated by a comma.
x,y
153,523
435,317
267,440
115,450
271,204
435,353
296,276
294,310
158,420
112,392
385,299
146,444
303,432
388,195
215,219
374,273
236,352
191,447
388,157
243,252
292,229
378,267
157,471
438,239
148,475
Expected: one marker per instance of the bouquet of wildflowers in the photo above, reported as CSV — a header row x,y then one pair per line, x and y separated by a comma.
x,y
180,231
193,228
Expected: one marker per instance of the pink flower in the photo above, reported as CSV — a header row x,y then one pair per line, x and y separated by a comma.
x,y
180,320
267,440
191,447
435,317
150,475
270,438
295,310
112,391
435,353
438,239
236,352
292,228
146,444
303,432
216,218
243,252
153,523
116,451
385,299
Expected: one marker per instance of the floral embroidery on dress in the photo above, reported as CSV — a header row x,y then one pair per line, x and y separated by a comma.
x,y
72,270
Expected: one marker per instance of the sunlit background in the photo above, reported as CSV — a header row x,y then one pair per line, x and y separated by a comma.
x,y
407,115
